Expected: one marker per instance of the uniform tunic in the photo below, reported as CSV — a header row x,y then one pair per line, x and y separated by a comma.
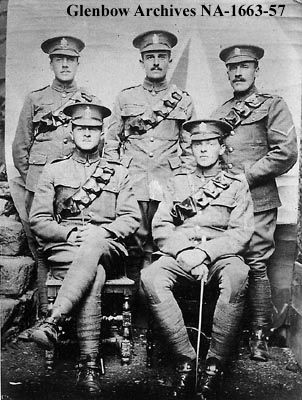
x,y
115,210
226,226
40,137
263,145
153,155
226,223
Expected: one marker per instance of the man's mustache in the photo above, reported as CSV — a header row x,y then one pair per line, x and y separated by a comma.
x,y
238,80
156,69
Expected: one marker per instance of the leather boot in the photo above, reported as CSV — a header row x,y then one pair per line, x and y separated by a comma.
x,y
184,383
45,333
89,377
258,343
211,381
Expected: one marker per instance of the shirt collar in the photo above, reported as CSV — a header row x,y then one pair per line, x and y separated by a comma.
x,y
84,158
155,86
208,173
243,96
61,87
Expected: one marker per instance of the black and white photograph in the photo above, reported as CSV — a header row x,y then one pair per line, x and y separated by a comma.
x,y
150,205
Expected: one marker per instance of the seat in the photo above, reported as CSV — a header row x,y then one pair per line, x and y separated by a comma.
x,y
120,324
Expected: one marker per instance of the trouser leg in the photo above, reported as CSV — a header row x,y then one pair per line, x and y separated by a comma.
x,y
144,232
261,248
37,253
158,280
82,272
89,318
231,275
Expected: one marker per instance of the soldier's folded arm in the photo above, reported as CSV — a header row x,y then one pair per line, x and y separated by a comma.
x,y
23,138
235,239
42,218
112,137
282,143
127,210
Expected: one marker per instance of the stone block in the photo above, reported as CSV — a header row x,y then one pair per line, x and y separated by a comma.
x,y
8,307
3,203
17,315
15,275
295,334
4,190
12,237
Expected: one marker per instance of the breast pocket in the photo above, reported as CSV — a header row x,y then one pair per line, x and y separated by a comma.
x,y
37,159
255,116
222,208
132,110
107,202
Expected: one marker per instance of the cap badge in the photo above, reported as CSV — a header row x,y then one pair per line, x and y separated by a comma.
x,y
155,39
203,126
237,51
64,43
87,113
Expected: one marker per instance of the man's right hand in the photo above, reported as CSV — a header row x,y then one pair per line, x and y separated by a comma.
x,y
188,259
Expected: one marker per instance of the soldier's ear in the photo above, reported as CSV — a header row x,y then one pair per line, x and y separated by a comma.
x,y
222,149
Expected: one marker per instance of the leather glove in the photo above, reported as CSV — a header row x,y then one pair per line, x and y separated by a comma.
x,y
188,259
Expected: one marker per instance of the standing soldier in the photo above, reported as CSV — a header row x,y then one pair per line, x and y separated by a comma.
x,y
202,231
43,132
82,211
145,129
262,146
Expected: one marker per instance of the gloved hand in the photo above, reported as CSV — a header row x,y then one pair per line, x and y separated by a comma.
x,y
200,272
188,259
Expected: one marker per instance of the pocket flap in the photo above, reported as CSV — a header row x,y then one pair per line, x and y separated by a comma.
x,y
224,201
255,116
37,159
132,110
174,162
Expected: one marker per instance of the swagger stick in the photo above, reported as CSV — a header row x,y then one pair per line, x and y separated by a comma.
x,y
203,239
199,331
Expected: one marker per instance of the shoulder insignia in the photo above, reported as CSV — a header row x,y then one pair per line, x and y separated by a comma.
x,y
131,87
61,159
40,90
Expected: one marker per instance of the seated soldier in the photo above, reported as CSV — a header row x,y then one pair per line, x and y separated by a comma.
x,y
82,211
202,232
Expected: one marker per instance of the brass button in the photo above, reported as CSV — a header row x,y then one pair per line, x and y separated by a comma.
x,y
230,149
64,94
232,133
230,165
151,154
151,139
65,141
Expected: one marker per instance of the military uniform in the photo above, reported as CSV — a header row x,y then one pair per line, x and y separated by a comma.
x,y
263,145
211,210
43,134
42,137
83,190
145,133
